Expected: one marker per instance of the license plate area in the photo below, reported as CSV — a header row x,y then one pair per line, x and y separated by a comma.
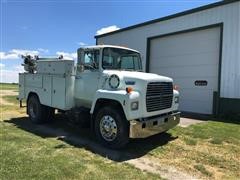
x,y
155,123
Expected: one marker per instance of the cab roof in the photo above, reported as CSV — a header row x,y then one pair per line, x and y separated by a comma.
x,y
108,46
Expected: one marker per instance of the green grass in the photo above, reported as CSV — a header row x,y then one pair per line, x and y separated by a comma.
x,y
14,101
190,141
224,132
11,99
8,86
216,141
27,156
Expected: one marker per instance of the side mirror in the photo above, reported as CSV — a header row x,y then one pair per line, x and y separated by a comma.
x,y
80,67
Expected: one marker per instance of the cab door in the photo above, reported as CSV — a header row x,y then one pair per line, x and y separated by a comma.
x,y
87,79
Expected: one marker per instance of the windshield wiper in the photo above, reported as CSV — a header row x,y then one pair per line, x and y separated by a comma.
x,y
125,69
138,70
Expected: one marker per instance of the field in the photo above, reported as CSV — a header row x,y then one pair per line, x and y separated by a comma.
x,y
60,150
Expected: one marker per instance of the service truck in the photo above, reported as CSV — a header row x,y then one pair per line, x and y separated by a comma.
x,y
107,83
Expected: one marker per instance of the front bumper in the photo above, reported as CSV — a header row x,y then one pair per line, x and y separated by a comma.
x,y
143,129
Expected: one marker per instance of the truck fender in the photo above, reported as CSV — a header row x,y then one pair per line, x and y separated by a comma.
x,y
38,94
109,96
32,93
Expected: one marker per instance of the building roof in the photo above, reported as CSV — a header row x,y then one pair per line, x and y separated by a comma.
x,y
209,6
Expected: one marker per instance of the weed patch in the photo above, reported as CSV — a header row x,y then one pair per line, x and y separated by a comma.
x,y
190,141
202,169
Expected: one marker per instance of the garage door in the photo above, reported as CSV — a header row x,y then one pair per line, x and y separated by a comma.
x,y
192,60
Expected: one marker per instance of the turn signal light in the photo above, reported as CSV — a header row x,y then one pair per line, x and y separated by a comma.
x,y
176,87
129,89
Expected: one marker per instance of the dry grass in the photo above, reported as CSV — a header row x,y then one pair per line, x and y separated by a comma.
x,y
213,153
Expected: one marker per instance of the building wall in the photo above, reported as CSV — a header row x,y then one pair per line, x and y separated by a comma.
x,y
228,14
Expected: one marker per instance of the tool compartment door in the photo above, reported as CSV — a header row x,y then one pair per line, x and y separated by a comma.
x,y
58,92
46,95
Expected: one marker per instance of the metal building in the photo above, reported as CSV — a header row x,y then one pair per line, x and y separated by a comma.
x,y
198,48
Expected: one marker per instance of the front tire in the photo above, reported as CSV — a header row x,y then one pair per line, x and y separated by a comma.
x,y
111,127
37,112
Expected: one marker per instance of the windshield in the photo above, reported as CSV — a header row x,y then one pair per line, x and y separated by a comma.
x,y
114,58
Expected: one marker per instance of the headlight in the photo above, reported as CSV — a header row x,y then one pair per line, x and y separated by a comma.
x,y
134,106
114,81
176,100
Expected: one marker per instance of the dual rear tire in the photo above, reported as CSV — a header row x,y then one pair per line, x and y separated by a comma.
x,y
37,112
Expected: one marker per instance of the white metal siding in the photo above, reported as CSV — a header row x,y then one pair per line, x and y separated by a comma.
x,y
189,57
228,14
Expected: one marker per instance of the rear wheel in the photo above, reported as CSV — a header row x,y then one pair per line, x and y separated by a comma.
x,y
111,127
37,112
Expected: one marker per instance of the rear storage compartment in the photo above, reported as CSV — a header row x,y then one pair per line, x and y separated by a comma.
x,y
53,82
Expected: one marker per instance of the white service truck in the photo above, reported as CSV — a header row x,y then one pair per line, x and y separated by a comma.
x,y
108,84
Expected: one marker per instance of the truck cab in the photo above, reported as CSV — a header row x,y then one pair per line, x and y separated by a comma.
x,y
109,83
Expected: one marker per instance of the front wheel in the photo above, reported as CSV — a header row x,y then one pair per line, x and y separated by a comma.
x,y
111,127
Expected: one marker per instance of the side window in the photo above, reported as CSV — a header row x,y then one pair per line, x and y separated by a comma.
x,y
87,58
137,65
91,59
107,62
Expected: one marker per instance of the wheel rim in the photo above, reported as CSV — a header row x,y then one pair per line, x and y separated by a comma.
x,y
32,110
108,128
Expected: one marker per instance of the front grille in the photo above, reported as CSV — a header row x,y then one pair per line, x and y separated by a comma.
x,y
159,96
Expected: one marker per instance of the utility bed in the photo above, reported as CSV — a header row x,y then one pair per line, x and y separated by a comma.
x,y
53,82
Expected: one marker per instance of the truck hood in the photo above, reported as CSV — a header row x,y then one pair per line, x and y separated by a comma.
x,y
140,76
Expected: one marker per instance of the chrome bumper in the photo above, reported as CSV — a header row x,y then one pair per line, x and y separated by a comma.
x,y
143,129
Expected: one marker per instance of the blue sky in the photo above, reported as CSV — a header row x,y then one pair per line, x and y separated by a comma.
x,y
56,27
